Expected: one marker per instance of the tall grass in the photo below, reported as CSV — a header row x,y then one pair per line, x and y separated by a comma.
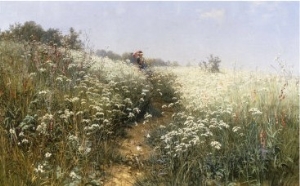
x,y
236,127
61,111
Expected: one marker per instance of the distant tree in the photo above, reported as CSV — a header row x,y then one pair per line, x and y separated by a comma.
x,y
129,56
101,53
72,40
212,65
174,64
203,65
53,36
110,54
113,56
30,31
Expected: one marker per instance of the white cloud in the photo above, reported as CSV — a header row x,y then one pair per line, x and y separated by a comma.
x,y
215,14
264,7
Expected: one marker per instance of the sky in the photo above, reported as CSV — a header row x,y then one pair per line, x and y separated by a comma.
x,y
243,34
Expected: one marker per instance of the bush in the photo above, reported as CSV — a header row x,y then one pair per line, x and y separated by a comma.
x,y
212,65
30,31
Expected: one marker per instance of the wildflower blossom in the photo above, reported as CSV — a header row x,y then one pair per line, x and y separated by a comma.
x,y
42,128
33,74
42,70
39,169
136,110
12,131
48,155
73,138
145,121
74,176
74,100
99,114
43,92
216,145
236,128
170,105
83,149
128,101
25,141
130,115
59,79
223,124
138,148
21,134
147,116
255,112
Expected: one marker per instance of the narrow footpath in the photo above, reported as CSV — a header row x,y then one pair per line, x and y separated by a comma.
x,y
135,151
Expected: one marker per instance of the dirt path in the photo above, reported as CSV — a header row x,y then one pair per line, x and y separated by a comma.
x,y
136,151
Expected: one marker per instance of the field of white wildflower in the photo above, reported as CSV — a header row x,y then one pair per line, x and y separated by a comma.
x,y
233,127
62,113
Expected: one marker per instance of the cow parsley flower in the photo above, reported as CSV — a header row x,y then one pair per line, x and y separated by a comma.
x,y
255,112
216,145
147,116
74,176
39,169
236,128
48,155
130,115
12,131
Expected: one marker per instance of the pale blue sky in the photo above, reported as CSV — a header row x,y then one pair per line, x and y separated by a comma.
x,y
250,34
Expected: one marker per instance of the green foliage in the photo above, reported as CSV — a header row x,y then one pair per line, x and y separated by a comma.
x,y
30,31
109,54
212,65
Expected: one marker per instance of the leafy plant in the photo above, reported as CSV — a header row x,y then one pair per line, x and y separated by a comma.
x,y
212,64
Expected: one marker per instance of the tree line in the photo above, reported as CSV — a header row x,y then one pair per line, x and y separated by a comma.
x,y
129,56
31,31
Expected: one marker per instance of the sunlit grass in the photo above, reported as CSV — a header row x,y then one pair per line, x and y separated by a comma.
x,y
62,111
235,126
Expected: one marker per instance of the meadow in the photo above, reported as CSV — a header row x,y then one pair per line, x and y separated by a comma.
x,y
63,112
233,127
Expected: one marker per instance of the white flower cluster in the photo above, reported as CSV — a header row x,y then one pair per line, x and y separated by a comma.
x,y
46,120
212,101
192,132
255,112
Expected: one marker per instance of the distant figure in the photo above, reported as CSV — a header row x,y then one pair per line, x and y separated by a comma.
x,y
140,60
